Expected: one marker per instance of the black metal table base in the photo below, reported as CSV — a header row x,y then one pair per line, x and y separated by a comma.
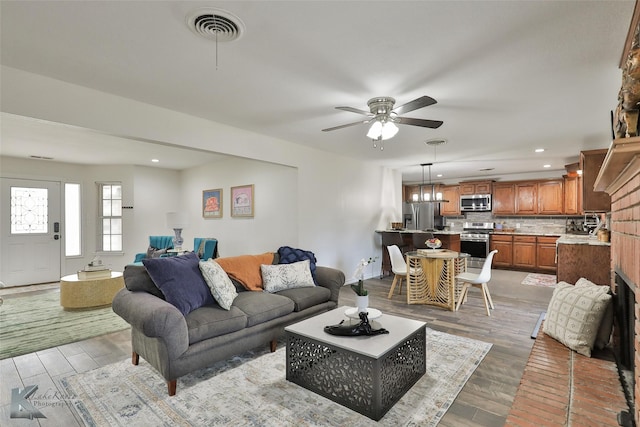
x,y
364,384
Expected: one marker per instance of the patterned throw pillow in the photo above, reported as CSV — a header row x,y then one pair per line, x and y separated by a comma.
x,y
606,326
279,277
289,255
574,315
223,291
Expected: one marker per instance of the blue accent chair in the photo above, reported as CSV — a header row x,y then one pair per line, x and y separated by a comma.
x,y
157,242
205,247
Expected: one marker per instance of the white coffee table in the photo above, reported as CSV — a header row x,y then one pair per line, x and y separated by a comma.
x,y
367,374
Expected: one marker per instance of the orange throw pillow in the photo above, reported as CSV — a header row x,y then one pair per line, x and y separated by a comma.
x,y
246,269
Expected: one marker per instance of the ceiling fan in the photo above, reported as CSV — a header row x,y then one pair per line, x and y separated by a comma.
x,y
384,117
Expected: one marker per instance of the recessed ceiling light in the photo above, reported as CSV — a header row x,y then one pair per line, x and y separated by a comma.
x,y
439,175
155,160
546,166
539,150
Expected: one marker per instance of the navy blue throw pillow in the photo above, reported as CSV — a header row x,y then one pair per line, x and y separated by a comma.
x,y
180,280
289,255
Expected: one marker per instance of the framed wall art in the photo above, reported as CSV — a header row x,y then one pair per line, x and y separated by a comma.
x,y
212,203
242,203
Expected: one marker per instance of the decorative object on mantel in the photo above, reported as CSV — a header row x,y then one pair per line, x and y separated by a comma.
x,y
177,221
383,117
242,201
625,120
362,328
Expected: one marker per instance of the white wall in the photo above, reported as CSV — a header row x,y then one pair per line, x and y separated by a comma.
x,y
339,200
275,221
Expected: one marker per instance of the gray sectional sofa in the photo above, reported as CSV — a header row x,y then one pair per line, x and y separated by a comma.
x,y
177,344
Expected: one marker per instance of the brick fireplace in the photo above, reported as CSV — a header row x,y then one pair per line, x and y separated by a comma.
x,y
620,177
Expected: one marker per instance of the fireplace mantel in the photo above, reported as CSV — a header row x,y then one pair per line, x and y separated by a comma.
x,y
620,165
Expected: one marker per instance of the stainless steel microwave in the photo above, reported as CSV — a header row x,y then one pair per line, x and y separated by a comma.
x,y
475,203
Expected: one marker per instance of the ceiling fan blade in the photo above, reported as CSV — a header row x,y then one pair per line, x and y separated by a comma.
x,y
423,101
434,124
345,126
354,110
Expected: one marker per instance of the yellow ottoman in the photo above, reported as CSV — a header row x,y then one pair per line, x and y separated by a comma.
x,y
85,293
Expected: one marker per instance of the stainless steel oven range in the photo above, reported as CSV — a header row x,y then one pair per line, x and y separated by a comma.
x,y
474,240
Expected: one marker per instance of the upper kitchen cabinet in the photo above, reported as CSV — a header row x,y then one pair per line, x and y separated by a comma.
x,y
590,163
411,193
572,195
526,194
504,200
528,197
451,193
475,187
551,197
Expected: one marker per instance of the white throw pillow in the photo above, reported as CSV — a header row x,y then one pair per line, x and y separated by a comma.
x,y
219,283
279,277
606,326
574,315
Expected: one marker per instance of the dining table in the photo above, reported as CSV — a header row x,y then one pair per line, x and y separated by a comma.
x,y
431,276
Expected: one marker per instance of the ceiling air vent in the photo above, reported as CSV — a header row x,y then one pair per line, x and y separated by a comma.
x,y
215,24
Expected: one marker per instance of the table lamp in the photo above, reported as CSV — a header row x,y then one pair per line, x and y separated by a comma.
x,y
177,221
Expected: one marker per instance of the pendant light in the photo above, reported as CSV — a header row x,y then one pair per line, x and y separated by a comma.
x,y
432,196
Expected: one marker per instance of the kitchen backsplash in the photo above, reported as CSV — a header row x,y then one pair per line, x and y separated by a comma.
x,y
521,224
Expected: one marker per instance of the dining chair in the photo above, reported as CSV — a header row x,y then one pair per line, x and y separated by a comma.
x,y
479,280
398,267
390,238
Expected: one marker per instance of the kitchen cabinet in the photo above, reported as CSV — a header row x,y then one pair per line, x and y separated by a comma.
x,y
546,254
410,191
593,262
590,163
543,197
452,194
524,252
504,244
551,197
526,194
449,241
572,195
475,187
503,200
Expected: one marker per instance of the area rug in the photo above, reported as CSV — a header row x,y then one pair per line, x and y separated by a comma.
x,y
251,390
36,322
536,279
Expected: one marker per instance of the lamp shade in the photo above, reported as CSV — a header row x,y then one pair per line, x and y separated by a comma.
x,y
177,220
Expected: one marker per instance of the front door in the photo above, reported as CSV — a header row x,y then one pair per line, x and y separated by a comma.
x,y
31,232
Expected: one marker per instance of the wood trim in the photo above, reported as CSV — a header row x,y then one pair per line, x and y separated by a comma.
x,y
628,44
618,159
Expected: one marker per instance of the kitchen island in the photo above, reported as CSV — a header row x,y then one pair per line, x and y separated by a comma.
x,y
450,240
583,256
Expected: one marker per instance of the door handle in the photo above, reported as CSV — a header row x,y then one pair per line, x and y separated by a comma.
x,y
56,227
56,237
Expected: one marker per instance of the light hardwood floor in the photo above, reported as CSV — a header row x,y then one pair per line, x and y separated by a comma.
x,y
484,401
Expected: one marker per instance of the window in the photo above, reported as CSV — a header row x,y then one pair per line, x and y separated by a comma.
x,y
29,210
72,236
110,216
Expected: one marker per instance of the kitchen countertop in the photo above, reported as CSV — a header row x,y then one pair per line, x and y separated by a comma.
x,y
580,239
417,231
527,233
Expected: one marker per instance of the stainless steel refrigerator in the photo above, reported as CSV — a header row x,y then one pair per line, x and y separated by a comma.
x,y
422,216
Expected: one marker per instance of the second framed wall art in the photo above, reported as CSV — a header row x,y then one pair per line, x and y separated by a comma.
x,y
242,202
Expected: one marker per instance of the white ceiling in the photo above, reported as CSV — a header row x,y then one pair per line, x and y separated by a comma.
x,y
509,76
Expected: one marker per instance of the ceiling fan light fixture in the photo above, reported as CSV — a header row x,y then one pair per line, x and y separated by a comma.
x,y
380,130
